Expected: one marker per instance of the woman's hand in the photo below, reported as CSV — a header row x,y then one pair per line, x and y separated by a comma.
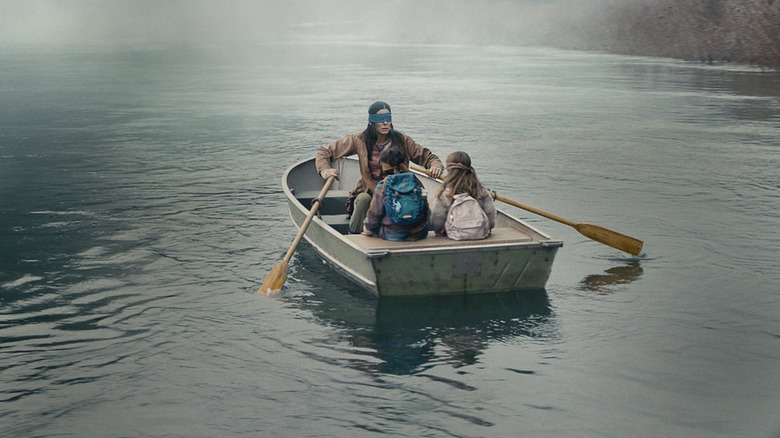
x,y
435,172
327,173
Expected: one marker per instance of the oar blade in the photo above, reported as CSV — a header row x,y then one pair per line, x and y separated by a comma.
x,y
609,237
275,280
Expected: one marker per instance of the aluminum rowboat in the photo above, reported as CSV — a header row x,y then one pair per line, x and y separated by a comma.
x,y
514,257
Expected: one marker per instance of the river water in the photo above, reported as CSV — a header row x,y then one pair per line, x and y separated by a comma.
x,y
141,208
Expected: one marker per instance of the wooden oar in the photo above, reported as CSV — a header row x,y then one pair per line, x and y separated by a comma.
x,y
275,280
595,232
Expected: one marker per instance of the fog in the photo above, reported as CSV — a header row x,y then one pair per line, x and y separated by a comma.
x,y
105,22
744,31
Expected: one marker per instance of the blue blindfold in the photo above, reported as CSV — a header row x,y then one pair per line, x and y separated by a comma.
x,y
379,118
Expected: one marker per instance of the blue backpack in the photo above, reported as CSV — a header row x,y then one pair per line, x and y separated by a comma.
x,y
405,203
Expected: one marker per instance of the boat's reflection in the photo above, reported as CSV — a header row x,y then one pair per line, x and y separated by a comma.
x,y
411,334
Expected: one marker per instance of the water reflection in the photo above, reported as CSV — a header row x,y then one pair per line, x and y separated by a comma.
x,y
411,334
611,277
414,333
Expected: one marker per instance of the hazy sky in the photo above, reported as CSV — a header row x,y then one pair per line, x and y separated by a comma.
x,y
196,21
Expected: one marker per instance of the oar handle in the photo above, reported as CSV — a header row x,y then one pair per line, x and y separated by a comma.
x,y
421,169
498,197
533,210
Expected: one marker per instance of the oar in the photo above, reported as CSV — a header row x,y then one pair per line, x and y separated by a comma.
x,y
595,232
278,275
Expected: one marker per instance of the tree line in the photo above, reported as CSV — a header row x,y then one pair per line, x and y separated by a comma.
x,y
740,31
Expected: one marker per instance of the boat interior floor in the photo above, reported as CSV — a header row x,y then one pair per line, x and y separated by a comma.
x,y
503,235
333,212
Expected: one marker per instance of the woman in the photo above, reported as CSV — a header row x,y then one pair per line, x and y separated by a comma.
x,y
461,180
368,145
379,220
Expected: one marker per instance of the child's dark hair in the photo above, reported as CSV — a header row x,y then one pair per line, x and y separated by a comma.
x,y
393,156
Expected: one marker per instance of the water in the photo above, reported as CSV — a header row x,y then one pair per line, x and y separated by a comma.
x,y
141,207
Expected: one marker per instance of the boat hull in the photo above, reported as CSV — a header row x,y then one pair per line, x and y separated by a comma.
x,y
515,256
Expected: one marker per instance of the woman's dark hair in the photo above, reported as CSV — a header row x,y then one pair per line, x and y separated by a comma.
x,y
370,136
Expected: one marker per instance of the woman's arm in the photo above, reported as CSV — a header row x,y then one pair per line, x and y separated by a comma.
x,y
334,150
421,155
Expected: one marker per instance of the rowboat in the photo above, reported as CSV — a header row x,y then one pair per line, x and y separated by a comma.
x,y
514,257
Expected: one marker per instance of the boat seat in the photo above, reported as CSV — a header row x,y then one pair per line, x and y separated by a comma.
x,y
311,194
497,235
333,204
339,222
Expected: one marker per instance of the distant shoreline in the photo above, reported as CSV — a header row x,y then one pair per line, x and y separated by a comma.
x,y
718,31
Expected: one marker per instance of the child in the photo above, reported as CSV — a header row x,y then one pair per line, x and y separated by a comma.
x,y
468,222
383,217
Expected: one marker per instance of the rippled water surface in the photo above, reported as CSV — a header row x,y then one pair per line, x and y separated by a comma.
x,y
141,208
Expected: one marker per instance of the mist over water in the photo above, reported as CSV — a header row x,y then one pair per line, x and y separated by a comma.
x,y
141,207
196,22
717,31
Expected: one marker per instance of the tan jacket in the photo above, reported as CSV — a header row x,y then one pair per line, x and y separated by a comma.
x,y
353,143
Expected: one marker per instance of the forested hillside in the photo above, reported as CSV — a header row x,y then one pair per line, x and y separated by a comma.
x,y
743,31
